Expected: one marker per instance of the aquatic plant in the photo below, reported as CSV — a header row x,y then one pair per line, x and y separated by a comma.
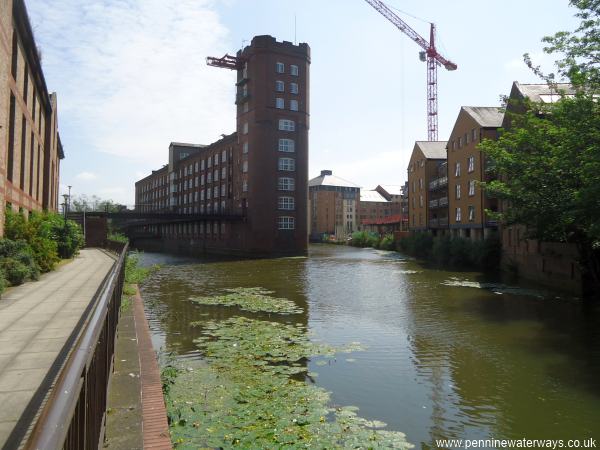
x,y
250,392
254,299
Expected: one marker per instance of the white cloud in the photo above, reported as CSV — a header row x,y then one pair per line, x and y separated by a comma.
x,y
86,176
131,74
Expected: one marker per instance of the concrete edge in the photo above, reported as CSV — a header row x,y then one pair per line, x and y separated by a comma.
x,y
155,427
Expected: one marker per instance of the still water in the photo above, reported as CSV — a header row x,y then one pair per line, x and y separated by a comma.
x,y
448,354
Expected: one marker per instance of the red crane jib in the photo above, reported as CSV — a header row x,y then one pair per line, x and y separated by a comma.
x,y
226,62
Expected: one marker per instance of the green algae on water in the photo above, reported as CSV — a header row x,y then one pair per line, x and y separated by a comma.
x,y
251,393
255,299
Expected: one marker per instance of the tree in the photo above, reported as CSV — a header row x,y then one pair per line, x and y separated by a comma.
x,y
549,159
84,203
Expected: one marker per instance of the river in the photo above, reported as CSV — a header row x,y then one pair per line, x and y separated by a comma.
x,y
448,354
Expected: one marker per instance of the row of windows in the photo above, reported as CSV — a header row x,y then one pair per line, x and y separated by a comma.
x,y
470,166
465,139
471,214
280,104
471,189
280,68
284,125
280,87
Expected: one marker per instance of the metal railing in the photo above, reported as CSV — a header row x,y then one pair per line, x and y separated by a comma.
x,y
444,201
438,183
74,415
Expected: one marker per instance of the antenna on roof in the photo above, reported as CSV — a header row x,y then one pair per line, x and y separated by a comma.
x,y
295,30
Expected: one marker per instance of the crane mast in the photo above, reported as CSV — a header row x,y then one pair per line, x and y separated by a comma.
x,y
429,54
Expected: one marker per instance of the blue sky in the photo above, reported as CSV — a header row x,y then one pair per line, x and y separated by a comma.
x,y
131,76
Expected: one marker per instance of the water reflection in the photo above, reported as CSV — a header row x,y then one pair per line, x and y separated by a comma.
x,y
446,358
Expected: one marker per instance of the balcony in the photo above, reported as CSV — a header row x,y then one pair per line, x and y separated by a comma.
x,y
241,98
438,183
438,203
442,222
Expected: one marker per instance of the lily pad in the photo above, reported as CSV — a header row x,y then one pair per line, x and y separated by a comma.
x,y
251,393
253,299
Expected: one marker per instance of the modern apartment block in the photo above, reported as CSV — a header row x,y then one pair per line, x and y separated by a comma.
x,y
31,148
467,168
424,168
333,206
246,193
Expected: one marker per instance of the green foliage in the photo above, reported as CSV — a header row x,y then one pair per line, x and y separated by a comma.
x,y
118,237
252,394
134,274
3,282
15,271
457,252
364,239
580,49
387,242
252,299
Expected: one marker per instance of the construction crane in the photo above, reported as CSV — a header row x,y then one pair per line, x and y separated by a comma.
x,y
430,55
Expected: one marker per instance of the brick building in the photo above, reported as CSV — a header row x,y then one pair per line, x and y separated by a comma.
x,y
333,206
31,147
384,209
424,171
467,168
246,193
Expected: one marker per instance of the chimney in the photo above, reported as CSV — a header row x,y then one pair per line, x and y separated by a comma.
x,y
326,172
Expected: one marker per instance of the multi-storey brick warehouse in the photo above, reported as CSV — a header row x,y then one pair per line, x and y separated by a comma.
x,y
246,193
31,149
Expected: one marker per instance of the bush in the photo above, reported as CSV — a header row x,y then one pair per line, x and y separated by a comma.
x,y
23,253
16,272
453,252
118,237
364,239
387,242
3,282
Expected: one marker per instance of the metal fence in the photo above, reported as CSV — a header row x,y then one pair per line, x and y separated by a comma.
x,y
74,415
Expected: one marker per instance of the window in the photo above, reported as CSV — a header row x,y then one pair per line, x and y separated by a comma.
x,y
209,162
216,175
294,70
471,213
216,159
202,165
421,183
245,147
421,201
286,203
202,195
471,161
453,145
287,125
216,192
294,88
466,138
223,173
245,108
287,164
457,169
286,223
224,156
294,105
202,180
208,194
280,86
245,186
457,191
279,103
245,130
223,190
209,177
458,215
286,184
473,135
460,142
286,145
472,187
280,67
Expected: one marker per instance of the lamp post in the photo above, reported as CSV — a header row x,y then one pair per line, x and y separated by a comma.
x,y
65,196
69,204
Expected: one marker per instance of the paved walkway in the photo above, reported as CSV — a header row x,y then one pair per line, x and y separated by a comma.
x,y
36,321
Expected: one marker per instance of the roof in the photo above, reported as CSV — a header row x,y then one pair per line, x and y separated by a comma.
x,y
328,179
542,92
392,189
486,116
433,149
396,218
372,196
